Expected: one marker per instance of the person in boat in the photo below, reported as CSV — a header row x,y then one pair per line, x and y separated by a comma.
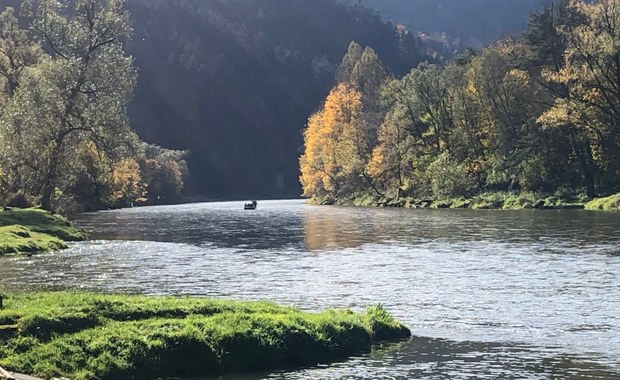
x,y
250,206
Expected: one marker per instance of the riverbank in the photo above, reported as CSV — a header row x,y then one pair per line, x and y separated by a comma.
x,y
486,201
35,230
85,336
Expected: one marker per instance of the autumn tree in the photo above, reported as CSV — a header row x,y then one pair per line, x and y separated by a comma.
x,y
164,172
334,140
590,111
391,164
126,184
541,113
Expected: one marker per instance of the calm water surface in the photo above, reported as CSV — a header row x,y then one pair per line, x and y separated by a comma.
x,y
488,294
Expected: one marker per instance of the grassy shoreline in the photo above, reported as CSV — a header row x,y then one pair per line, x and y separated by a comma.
x,y
85,336
486,201
35,230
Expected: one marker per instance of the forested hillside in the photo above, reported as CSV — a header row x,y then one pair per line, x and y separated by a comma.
x,y
535,115
230,82
470,23
234,81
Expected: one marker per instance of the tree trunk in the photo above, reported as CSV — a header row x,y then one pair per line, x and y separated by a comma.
x,y
50,178
371,183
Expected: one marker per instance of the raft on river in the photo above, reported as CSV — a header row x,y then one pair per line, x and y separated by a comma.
x,y
250,206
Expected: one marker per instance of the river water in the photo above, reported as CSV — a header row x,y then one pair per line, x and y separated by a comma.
x,y
487,294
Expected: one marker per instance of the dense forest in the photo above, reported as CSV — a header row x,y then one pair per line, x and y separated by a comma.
x,y
539,113
228,84
459,23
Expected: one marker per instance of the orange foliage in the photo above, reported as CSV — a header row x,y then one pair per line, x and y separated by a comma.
x,y
333,140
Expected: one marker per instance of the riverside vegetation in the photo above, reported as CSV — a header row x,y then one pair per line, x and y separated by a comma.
x,y
34,230
65,85
487,201
532,115
87,336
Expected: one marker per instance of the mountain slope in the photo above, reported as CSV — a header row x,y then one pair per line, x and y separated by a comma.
x,y
234,81
473,22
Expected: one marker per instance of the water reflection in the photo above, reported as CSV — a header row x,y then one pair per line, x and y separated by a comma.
x,y
428,358
548,280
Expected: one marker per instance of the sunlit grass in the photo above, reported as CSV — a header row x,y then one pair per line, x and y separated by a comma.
x,y
32,230
89,336
18,239
609,203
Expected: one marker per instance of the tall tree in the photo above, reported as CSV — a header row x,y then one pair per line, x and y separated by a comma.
x,y
590,110
333,158
78,93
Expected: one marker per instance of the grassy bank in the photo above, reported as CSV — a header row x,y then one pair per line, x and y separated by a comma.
x,y
88,336
607,203
33,230
486,201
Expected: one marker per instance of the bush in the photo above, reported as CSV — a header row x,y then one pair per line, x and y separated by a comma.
x,y
20,200
449,178
609,203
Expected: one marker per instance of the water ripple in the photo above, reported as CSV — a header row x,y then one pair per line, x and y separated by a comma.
x,y
494,294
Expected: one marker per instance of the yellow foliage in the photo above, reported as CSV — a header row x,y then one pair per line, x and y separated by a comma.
x,y
126,183
334,139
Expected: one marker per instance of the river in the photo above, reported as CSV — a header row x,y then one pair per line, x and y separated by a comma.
x,y
487,294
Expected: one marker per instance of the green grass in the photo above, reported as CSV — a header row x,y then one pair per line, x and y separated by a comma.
x,y
43,222
33,230
609,203
87,336
498,200
19,239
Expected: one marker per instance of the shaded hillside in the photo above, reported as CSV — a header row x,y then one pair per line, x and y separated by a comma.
x,y
473,22
234,81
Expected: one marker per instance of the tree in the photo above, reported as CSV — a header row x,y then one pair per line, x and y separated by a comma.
x,y
589,112
393,156
349,60
126,184
77,93
334,140
17,52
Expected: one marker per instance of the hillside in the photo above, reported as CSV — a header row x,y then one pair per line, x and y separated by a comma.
x,y
234,81
470,22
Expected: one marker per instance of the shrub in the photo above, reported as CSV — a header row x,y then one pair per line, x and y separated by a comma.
x,y
20,200
449,178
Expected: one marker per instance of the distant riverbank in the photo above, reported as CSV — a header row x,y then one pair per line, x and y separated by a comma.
x,y
34,230
86,336
486,201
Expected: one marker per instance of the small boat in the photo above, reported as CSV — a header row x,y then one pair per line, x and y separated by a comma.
x,y
250,206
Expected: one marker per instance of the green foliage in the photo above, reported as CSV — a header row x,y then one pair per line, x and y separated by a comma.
x,y
163,171
519,117
63,115
89,336
449,178
608,203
